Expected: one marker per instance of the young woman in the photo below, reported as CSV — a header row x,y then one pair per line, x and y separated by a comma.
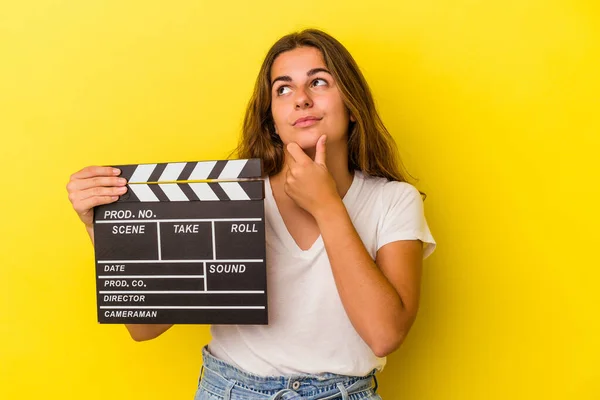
x,y
346,234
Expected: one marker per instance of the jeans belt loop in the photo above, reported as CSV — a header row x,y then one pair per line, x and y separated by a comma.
x,y
343,391
228,390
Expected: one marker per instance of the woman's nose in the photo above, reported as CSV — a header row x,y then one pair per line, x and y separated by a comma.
x,y
303,100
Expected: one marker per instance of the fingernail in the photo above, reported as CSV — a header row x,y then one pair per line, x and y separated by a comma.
x,y
114,197
116,171
121,189
122,181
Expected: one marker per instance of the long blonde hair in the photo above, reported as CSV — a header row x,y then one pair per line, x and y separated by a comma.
x,y
371,148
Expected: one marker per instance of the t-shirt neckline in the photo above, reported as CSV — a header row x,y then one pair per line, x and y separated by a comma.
x,y
284,234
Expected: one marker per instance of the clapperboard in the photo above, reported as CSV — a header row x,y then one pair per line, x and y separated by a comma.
x,y
184,244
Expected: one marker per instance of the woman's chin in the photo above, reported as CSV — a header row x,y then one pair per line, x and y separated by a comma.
x,y
308,140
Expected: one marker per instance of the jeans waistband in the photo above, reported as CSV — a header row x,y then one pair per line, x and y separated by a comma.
x,y
222,379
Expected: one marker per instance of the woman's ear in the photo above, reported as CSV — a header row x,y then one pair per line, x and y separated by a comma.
x,y
352,119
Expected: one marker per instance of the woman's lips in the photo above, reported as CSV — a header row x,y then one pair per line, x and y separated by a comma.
x,y
304,122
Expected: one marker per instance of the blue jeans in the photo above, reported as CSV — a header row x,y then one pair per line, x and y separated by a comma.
x,y
222,381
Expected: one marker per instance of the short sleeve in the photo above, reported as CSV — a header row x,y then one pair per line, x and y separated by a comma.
x,y
403,217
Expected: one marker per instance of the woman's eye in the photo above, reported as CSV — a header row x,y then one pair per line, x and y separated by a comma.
x,y
323,82
281,89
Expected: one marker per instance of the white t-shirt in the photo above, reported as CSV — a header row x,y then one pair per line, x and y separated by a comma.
x,y
309,331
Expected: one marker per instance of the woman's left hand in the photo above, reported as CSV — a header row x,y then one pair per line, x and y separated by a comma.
x,y
308,182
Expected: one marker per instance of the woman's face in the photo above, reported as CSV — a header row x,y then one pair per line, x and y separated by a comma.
x,y
306,102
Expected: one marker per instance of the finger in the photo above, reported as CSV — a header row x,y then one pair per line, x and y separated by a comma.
x,y
98,191
84,206
81,184
290,158
288,186
297,153
289,176
321,151
92,171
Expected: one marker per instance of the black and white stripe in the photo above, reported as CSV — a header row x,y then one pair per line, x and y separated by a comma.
x,y
211,191
192,171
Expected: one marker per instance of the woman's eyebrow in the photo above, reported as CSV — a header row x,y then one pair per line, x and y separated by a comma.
x,y
317,70
286,78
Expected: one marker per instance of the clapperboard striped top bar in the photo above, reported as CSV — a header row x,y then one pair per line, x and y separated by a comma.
x,y
192,171
211,191
227,180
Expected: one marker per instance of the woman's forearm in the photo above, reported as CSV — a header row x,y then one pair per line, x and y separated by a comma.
x,y
373,305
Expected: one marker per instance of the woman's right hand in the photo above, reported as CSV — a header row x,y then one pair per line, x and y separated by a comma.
x,y
94,186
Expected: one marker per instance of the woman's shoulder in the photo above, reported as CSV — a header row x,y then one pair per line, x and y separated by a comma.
x,y
385,187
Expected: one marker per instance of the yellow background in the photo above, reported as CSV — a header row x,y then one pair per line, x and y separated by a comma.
x,y
494,106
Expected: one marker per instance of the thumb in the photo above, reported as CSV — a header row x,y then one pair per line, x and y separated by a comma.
x,y
321,151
